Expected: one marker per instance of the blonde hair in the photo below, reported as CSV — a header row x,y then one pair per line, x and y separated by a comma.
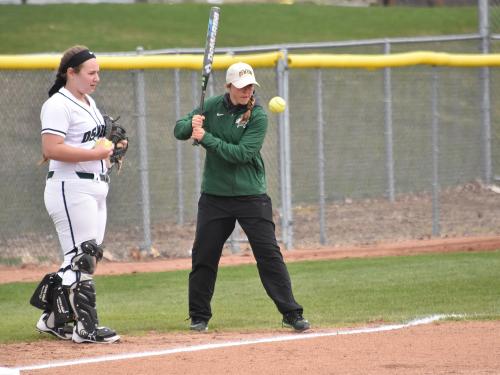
x,y
250,105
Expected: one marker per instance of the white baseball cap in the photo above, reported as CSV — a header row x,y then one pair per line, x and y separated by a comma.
x,y
240,75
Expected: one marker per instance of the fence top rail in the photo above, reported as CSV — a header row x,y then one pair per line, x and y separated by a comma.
x,y
261,60
315,45
310,46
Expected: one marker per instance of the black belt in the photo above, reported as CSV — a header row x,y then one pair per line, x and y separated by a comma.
x,y
86,176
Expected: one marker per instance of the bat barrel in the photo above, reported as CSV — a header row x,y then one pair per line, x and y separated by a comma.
x,y
208,57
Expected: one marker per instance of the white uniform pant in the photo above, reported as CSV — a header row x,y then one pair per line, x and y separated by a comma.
x,y
78,209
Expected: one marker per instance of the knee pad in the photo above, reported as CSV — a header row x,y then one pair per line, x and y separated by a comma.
x,y
83,301
86,258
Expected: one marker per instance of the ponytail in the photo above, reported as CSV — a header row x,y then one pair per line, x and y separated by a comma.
x,y
73,57
246,116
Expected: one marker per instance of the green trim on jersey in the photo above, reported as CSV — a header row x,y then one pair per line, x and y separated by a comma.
x,y
233,163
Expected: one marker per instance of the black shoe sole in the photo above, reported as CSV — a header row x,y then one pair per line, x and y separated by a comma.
x,y
108,340
287,325
199,327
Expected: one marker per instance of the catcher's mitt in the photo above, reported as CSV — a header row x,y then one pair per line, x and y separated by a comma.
x,y
118,135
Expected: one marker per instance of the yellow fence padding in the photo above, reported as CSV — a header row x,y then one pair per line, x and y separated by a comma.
x,y
392,60
261,60
31,62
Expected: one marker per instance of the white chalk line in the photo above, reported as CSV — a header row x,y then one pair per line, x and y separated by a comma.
x,y
195,348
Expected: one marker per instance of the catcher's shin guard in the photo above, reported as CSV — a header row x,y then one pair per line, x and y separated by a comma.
x,y
83,301
60,306
42,296
50,297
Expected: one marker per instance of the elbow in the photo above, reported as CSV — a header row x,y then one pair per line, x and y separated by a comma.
x,y
180,134
246,155
177,134
48,153
242,158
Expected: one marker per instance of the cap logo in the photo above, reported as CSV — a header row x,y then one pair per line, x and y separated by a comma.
x,y
245,71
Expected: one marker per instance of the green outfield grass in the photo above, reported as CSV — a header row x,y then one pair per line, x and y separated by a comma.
x,y
333,293
108,27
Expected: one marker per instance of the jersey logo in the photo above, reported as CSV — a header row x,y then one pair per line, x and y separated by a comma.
x,y
97,132
241,123
220,114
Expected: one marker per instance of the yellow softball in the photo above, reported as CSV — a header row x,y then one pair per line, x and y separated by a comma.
x,y
277,104
104,141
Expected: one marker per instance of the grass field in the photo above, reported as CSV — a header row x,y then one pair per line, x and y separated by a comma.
x,y
108,28
333,293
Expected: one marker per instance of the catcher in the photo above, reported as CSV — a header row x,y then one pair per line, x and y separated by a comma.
x,y
73,139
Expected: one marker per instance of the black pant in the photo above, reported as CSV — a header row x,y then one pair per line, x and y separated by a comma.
x,y
216,220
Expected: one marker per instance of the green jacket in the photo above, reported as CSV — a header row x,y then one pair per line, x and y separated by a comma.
x,y
233,164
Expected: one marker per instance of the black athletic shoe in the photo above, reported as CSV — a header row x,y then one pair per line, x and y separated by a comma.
x,y
199,325
63,332
101,335
295,320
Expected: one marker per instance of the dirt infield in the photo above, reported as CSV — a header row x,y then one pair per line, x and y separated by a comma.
x,y
438,348
461,347
35,272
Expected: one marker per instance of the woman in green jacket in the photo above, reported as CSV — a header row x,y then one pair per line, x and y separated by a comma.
x,y
232,130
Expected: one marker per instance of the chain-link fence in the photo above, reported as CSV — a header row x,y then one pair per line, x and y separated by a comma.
x,y
374,155
494,16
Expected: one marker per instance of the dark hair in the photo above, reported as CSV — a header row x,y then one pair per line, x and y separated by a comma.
x,y
73,57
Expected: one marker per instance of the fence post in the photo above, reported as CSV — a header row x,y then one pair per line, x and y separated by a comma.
x,y
389,156
140,105
435,153
484,32
285,157
321,157
288,156
281,159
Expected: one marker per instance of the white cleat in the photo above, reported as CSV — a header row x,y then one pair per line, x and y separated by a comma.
x,y
63,332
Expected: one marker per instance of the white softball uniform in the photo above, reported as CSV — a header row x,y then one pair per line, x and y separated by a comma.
x,y
75,193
